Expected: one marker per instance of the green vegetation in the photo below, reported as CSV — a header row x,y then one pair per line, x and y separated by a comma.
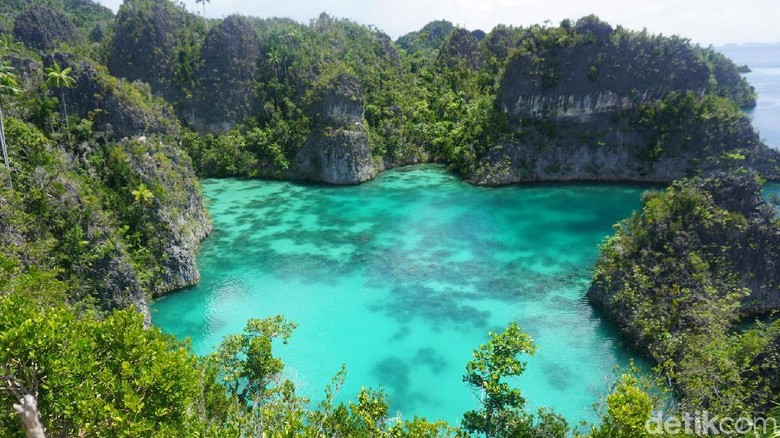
x,y
68,208
430,38
109,376
502,411
143,195
441,95
85,14
92,224
8,86
60,78
629,406
679,277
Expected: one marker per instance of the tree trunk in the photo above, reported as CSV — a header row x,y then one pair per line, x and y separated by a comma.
x,y
5,147
65,110
2,139
28,414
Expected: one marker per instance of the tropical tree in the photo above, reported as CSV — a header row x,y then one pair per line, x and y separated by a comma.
x,y
203,2
60,78
143,195
245,361
275,58
8,86
502,412
100,377
8,45
629,408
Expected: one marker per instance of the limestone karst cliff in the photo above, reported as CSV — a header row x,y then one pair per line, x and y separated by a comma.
x,y
611,105
337,150
581,101
711,236
226,92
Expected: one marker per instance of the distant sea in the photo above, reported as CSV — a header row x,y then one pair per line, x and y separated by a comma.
x,y
764,60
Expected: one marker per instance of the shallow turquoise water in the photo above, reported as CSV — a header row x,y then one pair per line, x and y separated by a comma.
x,y
401,278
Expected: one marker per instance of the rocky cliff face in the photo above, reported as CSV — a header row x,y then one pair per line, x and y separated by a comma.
x,y
753,251
336,156
177,211
337,150
227,93
609,106
618,147
582,102
144,45
599,75
108,276
574,152
74,214
43,28
118,275
678,278
118,109
721,235
591,103
461,46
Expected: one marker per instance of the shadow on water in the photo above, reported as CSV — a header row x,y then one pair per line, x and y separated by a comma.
x,y
395,375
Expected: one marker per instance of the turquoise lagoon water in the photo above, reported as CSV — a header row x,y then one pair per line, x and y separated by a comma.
x,y
401,278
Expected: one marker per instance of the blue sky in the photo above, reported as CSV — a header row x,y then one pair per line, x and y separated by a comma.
x,y
704,21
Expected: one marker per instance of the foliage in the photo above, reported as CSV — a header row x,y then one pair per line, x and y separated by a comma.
x,y
60,78
673,276
712,127
43,28
429,38
108,377
85,14
436,95
113,377
223,155
501,413
629,407
77,217
8,83
142,194
493,362
245,362
87,223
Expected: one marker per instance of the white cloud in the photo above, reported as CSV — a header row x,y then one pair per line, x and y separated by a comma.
x,y
704,21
